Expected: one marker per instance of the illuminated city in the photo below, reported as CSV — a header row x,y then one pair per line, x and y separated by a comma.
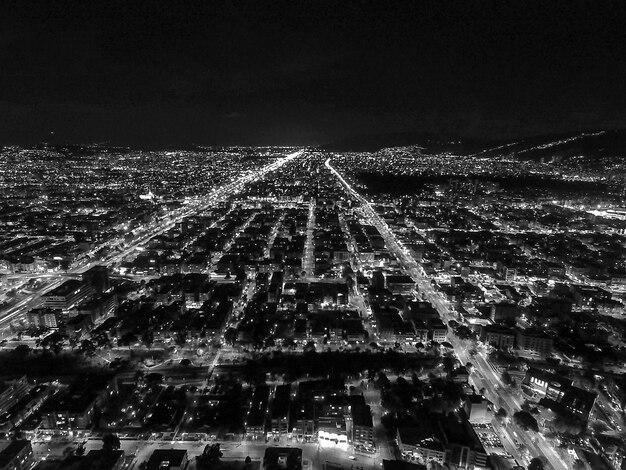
x,y
329,302
312,237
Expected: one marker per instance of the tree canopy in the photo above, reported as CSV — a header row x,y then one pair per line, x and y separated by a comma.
x,y
536,464
525,421
209,457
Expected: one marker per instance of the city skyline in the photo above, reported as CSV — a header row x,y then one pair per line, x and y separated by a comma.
x,y
319,304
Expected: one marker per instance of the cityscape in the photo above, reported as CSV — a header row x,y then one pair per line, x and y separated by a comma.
x,y
312,235
255,307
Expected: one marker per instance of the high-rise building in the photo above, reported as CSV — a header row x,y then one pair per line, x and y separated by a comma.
x,y
66,295
97,278
378,280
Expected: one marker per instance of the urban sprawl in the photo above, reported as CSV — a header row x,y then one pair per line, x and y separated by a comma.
x,y
302,309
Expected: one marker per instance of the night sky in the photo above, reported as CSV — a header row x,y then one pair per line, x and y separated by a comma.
x,y
291,72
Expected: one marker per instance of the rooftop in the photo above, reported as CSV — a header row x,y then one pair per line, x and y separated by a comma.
x,y
64,289
401,465
174,457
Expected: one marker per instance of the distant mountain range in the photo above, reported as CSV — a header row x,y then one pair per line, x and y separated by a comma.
x,y
375,142
591,144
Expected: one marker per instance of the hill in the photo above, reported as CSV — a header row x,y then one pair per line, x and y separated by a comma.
x,y
375,142
553,147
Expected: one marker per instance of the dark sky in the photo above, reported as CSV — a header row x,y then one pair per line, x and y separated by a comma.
x,y
292,72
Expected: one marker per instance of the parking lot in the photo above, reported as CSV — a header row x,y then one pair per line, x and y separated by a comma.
x,y
488,437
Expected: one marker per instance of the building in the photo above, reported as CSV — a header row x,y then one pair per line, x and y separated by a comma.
x,y
404,332
534,342
98,307
73,408
318,409
378,280
78,325
362,425
558,393
276,286
196,263
477,408
464,449
418,311
546,384
400,284
333,414
333,433
69,411
420,443
587,296
16,455
447,440
279,410
284,457
45,317
421,331
168,459
501,462
497,336
594,461
25,407
97,278
401,465
503,311
460,375
66,295
506,272
438,330
255,420
578,402
95,460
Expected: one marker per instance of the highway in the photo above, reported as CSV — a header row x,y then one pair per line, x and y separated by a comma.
x,y
493,385
144,234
